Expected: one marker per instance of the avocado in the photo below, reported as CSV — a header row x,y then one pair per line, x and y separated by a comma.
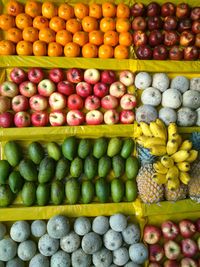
x,y
102,189
5,169
15,182
117,190
13,153
130,190
43,194
57,192
69,148
62,168
76,167
100,147
72,191
104,166
114,146
54,151
132,167
6,196
29,193
36,152
90,167
46,170
28,170
127,148
118,165
84,148
87,191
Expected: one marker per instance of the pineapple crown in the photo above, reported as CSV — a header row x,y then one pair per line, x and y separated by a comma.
x,y
145,156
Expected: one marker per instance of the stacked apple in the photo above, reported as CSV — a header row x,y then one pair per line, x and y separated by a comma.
x,y
71,97
173,245
169,28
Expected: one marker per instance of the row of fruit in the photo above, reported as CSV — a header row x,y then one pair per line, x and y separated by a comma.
x,y
71,97
173,244
102,241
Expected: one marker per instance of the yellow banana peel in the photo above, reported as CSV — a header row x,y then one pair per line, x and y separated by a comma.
x,y
146,129
152,141
183,166
159,178
167,161
193,154
159,168
172,129
157,131
172,146
157,150
172,173
173,184
162,126
181,155
186,145
184,177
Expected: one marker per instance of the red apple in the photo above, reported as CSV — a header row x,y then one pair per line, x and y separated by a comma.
x,y
111,117
46,87
91,76
94,117
74,102
171,38
154,23
6,120
170,23
128,102
184,25
191,53
109,102
189,247
188,262
20,103
139,24
100,89
22,119
126,116
92,102
39,118
57,101
17,75
187,38
117,89
171,263
155,38
56,75
172,250
197,40
9,89
75,117
160,52
187,228
140,38
38,103
182,10
175,53
74,75
126,77
108,76
57,118
168,9
154,264
65,87
35,75
197,223
137,9
27,89
152,234
170,230
5,104
195,13
196,26
156,252
153,9
83,89
144,52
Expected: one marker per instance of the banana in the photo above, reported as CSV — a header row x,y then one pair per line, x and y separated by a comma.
x,y
172,173
178,138
172,129
137,131
173,184
158,150
172,146
159,178
193,154
157,131
145,129
181,155
151,141
186,145
162,126
142,139
167,161
159,168
184,177
183,166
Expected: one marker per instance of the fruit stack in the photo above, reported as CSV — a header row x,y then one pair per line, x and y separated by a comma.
x,y
72,97
173,244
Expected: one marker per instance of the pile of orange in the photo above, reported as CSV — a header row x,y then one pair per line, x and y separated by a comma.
x,y
90,31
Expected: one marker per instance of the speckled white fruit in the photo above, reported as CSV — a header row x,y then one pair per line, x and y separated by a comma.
x,y
26,250
198,117
8,249
102,258
60,259
39,260
131,234
16,262
171,98
100,225
91,243
20,231
82,226
120,256
38,228
118,222
191,99
151,96
80,258
58,226
70,243
47,245
160,81
143,80
138,253
195,84
112,240
132,264
180,83
2,230
186,117
146,113
167,115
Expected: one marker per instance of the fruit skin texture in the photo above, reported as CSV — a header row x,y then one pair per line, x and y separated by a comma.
x,y
152,234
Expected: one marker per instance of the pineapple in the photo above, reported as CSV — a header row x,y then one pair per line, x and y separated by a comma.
x,y
178,194
194,183
149,191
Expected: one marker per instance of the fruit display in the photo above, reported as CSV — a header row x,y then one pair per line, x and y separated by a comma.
x,y
77,170
176,100
66,97
173,243
102,241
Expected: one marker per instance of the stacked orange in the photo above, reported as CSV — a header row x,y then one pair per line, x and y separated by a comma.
x,y
44,29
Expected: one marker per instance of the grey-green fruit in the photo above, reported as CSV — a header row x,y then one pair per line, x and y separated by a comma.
x,y
91,243
69,148
114,146
46,170
120,256
16,262
20,231
118,222
82,226
127,148
39,260
58,226
38,228
36,152
102,258
54,151
102,189
13,153
43,194
72,191
138,253
132,264
131,234
62,168
100,225
100,147
130,190
104,166
28,170
112,240
118,165
6,196
15,182
80,258
117,190
71,242
29,193
132,167
26,250
76,168
47,245
60,259
57,192
2,230
84,148
5,170
87,191
8,249
90,167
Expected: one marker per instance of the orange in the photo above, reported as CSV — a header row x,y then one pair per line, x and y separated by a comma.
x,y
40,22
14,8
73,25
89,24
107,24
123,25
49,10
30,34
81,38
33,8
96,37
72,50
111,38
14,35
121,52
6,22
89,50
125,38
105,51
63,37
39,48
24,48
55,49
7,48
57,24
23,21
123,11
81,10
95,11
65,11
109,10
47,35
